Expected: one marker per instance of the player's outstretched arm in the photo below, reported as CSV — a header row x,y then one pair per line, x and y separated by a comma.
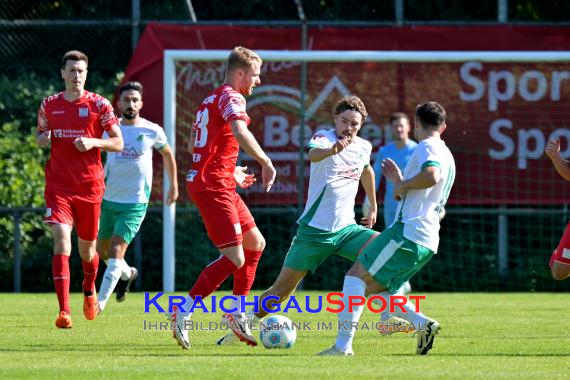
x,y
562,166
170,165
318,154
367,180
250,145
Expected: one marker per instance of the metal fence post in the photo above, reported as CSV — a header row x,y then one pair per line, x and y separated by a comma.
x,y
136,20
399,12
17,253
503,231
302,116
503,10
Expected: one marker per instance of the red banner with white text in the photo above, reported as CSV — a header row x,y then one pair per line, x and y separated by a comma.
x,y
500,115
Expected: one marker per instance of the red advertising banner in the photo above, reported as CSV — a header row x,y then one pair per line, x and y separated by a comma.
x,y
500,115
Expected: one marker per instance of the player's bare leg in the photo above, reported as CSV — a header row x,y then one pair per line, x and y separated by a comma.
x,y
283,287
560,271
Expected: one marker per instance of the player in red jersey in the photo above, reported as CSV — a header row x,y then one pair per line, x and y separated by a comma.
x,y
560,260
219,131
73,122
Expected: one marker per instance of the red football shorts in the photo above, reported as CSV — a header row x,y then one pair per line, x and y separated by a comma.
x,y
225,216
562,253
72,210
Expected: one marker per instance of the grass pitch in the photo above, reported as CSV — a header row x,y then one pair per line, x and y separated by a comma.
x,y
490,336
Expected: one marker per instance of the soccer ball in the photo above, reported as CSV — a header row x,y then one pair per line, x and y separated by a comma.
x,y
277,331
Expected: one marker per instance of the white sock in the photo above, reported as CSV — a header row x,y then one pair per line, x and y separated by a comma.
x,y
126,271
251,316
187,305
385,315
353,286
110,279
237,305
411,315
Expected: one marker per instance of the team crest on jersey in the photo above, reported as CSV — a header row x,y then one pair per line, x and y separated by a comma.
x,y
130,152
83,111
190,176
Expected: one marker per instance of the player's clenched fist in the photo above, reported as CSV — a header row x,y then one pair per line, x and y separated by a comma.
x,y
552,148
340,145
83,144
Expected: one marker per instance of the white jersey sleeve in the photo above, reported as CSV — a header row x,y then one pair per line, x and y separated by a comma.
x,y
321,139
160,139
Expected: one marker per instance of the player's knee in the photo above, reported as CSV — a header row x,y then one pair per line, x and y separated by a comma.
x,y
258,244
62,248
103,255
87,254
116,252
559,272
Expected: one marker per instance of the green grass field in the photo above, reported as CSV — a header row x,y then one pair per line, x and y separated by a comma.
x,y
512,335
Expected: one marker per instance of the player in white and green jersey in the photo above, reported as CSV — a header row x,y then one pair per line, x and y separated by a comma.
x,y
410,242
128,181
339,161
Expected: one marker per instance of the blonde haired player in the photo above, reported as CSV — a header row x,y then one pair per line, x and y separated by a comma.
x,y
220,129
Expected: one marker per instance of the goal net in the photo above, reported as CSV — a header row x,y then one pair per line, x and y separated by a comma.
x,y
506,211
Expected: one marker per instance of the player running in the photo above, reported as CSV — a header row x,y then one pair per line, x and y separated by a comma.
x,y
219,130
73,122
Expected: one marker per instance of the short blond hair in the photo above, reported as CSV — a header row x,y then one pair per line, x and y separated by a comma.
x,y
241,58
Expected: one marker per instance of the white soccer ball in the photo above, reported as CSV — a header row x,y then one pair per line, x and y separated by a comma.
x,y
277,331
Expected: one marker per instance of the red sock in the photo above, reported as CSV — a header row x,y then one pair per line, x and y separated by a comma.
x,y
244,276
60,270
90,273
212,277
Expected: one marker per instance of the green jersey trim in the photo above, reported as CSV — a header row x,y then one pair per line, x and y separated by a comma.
x,y
313,210
430,163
